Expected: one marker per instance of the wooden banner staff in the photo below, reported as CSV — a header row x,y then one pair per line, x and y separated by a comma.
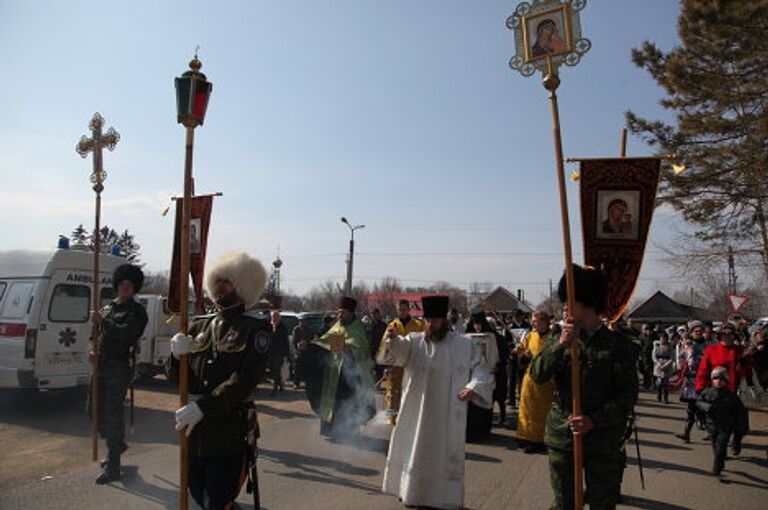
x,y
95,144
551,82
186,213
192,94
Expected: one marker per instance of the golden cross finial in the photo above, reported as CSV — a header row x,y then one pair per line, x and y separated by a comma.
x,y
95,144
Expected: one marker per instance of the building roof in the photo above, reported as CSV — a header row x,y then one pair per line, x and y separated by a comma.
x,y
503,301
662,308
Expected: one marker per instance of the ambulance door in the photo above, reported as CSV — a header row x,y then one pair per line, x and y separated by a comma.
x,y
65,329
15,303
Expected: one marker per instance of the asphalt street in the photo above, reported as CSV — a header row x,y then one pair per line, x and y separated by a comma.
x,y
299,468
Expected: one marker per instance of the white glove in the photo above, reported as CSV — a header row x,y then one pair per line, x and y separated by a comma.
x,y
188,416
180,345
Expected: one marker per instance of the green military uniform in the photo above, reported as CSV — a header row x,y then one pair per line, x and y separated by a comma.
x,y
121,327
347,399
609,387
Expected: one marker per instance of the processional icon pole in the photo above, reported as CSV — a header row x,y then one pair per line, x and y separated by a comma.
x,y
548,35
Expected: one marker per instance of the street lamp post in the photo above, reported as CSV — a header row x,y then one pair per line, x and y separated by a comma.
x,y
192,94
351,255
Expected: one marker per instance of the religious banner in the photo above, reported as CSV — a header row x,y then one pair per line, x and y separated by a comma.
x,y
198,241
618,196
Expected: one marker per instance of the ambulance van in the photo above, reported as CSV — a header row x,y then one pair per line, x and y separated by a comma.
x,y
45,303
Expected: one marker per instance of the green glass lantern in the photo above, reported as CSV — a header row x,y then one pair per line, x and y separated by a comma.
x,y
192,94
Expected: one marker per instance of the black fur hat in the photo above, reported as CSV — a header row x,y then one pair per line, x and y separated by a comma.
x,y
591,288
131,273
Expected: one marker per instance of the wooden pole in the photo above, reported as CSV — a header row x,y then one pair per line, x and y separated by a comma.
x,y
95,330
551,83
623,150
186,213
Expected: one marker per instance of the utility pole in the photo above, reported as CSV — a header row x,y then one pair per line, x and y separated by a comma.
x,y
350,255
731,271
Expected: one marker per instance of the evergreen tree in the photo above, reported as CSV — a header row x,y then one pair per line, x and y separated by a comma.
x,y
716,84
80,236
108,238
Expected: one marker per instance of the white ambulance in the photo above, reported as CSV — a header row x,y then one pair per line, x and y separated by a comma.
x,y
154,346
45,303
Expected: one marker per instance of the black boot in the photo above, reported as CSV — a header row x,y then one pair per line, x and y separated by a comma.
x,y
123,448
685,436
111,472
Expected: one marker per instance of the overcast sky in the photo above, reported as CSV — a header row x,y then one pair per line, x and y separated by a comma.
x,y
400,114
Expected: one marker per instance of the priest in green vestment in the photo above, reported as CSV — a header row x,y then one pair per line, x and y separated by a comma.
x,y
347,398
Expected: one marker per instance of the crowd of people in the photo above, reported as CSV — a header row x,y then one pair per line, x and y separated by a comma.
x,y
435,368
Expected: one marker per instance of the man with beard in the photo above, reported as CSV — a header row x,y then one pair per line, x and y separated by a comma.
x,y
608,394
347,398
227,354
404,324
442,372
121,324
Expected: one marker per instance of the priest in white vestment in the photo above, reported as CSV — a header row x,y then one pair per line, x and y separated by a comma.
x,y
443,371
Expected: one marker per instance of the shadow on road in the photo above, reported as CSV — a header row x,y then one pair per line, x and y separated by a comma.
x,y
264,408
656,416
134,483
477,457
664,446
322,470
64,412
650,504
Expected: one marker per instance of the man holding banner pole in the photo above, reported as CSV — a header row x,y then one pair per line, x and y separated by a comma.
x,y
608,394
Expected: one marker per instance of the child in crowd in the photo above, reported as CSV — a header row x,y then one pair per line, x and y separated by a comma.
x,y
726,416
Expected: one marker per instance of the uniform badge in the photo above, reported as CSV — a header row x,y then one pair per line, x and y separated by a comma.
x,y
261,342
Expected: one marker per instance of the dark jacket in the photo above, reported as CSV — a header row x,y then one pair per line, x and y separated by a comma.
x,y
375,334
280,342
227,361
120,330
609,388
724,410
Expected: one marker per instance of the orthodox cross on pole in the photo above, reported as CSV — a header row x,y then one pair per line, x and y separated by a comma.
x,y
547,35
95,145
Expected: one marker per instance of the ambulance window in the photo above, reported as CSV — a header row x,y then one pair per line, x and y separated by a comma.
x,y
3,286
70,303
16,302
107,295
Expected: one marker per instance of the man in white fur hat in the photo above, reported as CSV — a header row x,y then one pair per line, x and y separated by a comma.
x,y
227,354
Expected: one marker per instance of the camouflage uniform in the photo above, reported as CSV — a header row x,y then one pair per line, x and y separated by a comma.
x,y
121,327
609,387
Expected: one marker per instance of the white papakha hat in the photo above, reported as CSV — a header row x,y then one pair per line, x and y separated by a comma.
x,y
246,273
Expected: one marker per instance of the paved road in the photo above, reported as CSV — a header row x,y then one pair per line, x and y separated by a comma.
x,y
298,467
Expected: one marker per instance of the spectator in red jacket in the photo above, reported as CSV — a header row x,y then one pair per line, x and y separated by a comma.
x,y
726,354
